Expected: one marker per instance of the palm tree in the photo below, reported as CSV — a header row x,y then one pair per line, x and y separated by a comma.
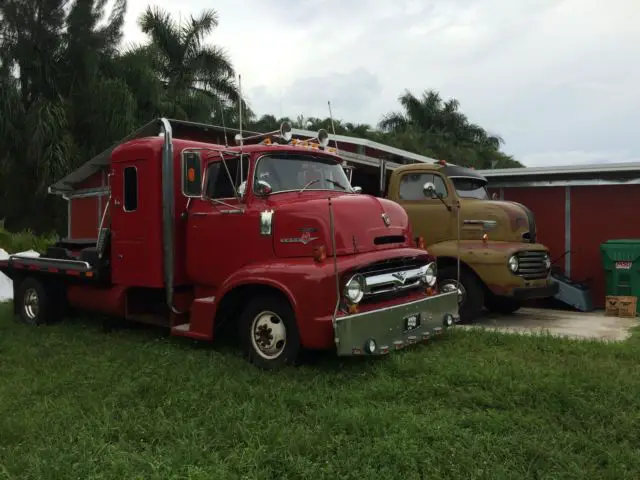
x,y
440,129
198,79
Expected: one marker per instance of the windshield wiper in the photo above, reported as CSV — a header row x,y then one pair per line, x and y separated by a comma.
x,y
337,184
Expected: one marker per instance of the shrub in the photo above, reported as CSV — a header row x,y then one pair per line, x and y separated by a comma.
x,y
25,240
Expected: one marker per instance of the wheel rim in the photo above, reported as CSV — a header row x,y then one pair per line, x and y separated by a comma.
x,y
268,335
31,304
451,285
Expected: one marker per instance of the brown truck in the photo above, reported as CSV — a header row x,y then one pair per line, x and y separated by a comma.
x,y
501,265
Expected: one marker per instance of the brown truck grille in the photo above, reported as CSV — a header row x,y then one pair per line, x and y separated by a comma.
x,y
532,265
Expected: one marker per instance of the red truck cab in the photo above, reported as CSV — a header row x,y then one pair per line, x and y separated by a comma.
x,y
267,236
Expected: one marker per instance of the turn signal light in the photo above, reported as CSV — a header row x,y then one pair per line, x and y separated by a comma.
x,y
353,308
319,254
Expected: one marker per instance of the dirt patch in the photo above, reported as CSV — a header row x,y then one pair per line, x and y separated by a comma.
x,y
592,325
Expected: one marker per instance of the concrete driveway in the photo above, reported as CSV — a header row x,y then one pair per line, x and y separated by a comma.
x,y
593,325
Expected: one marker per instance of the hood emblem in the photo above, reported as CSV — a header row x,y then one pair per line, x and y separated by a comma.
x,y
399,276
386,219
304,238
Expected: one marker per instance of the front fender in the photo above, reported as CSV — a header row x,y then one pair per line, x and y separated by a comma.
x,y
266,274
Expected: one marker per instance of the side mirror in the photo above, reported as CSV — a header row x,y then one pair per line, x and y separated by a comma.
x,y
357,189
429,190
262,188
191,174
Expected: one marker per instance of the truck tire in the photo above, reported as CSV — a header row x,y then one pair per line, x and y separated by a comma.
x,y
470,288
269,332
34,303
503,305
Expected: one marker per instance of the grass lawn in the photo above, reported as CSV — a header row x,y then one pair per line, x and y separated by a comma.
x,y
79,403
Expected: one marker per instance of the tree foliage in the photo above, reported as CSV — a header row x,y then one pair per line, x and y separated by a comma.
x,y
69,89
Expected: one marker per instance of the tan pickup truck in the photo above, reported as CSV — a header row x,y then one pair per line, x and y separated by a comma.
x,y
501,265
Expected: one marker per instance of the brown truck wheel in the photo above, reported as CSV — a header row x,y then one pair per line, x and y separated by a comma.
x,y
503,305
470,289
269,332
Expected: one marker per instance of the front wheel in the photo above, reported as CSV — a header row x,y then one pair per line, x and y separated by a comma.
x,y
269,332
470,292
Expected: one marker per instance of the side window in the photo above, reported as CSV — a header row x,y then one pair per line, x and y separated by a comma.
x,y
130,189
411,185
218,183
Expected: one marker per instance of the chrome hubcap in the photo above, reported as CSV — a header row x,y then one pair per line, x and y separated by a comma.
x,y
31,304
268,335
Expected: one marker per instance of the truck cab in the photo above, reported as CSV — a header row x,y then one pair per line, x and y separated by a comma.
x,y
267,237
501,264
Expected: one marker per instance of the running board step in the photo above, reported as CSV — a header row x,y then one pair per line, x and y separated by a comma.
x,y
184,330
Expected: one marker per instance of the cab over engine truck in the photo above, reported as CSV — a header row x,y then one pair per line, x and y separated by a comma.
x,y
501,264
265,235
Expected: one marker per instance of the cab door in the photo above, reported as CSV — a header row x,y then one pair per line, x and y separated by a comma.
x,y
429,217
222,227
130,214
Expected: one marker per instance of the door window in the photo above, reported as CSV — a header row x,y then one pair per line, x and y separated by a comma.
x,y
411,185
220,184
130,189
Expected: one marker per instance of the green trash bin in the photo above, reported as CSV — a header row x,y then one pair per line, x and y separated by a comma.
x,y
621,263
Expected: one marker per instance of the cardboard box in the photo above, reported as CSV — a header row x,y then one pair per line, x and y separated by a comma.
x,y
621,306
611,306
627,306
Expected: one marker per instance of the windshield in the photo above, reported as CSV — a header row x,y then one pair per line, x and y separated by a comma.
x,y
471,188
287,172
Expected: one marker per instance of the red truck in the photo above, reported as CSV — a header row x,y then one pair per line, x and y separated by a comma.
x,y
265,235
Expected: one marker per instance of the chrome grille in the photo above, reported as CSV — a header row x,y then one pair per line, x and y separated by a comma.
x,y
393,276
532,265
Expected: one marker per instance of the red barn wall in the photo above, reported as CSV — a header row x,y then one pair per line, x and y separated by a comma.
x,y
597,214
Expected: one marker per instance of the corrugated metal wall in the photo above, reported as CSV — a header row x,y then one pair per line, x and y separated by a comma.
x,y
593,215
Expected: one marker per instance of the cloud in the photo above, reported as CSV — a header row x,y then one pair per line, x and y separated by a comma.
x,y
547,75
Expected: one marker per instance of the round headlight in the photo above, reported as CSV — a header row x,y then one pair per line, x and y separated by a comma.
x,y
370,346
547,261
354,289
513,263
429,274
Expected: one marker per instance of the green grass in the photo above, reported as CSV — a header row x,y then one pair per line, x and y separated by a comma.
x,y
79,403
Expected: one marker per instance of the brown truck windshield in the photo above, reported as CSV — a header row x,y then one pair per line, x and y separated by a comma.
x,y
287,172
471,188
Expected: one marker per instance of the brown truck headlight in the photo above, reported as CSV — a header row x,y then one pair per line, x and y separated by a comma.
x,y
514,264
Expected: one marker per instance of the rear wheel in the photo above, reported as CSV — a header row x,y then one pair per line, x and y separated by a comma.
x,y
503,305
269,332
470,291
34,303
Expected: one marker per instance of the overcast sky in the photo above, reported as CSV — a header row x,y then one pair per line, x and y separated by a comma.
x,y
559,80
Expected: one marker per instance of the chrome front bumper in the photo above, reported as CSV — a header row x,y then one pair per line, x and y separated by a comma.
x,y
395,327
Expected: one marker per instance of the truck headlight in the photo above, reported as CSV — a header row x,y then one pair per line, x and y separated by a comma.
x,y
513,263
429,274
547,261
354,288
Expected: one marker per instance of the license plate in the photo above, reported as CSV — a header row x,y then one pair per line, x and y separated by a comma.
x,y
411,322
623,265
